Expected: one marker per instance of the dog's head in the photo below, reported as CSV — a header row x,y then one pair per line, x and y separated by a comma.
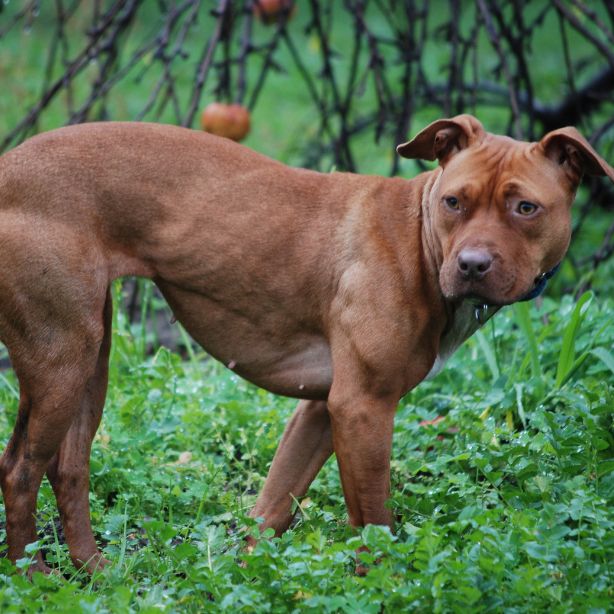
x,y
500,209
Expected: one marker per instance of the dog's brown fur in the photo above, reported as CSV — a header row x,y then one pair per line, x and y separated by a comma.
x,y
338,289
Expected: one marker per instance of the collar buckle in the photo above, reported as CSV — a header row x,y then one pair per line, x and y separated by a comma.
x,y
540,284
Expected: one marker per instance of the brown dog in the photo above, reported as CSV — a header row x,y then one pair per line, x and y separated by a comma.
x,y
342,290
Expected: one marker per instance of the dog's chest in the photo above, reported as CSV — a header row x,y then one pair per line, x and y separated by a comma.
x,y
464,324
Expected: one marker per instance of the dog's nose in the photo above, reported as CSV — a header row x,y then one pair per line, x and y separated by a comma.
x,y
474,263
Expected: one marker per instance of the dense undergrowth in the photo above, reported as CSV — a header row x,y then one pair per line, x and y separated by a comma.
x,y
504,505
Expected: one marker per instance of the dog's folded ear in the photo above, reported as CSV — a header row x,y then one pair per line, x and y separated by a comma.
x,y
443,138
568,148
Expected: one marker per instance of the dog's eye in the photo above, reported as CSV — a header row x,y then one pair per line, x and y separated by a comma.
x,y
526,208
452,202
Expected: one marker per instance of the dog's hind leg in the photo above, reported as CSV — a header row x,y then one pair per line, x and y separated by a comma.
x,y
51,320
68,470
305,446
50,399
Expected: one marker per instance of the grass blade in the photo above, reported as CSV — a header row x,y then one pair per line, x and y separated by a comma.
x,y
523,317
489,354
568,347
606,357
14,392
520,405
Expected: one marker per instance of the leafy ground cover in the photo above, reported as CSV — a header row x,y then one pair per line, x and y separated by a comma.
x,y
505,504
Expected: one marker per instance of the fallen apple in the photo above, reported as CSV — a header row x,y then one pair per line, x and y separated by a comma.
x,y
271,11
228,120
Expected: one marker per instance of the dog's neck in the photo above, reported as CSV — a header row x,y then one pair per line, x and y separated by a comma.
x,y
462,323
433,251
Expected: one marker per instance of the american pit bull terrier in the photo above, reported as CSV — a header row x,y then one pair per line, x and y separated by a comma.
x,y
344,291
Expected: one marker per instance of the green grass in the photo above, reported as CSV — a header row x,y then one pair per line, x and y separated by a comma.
x,y
505,505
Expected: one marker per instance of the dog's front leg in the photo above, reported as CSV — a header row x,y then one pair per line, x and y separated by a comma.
x,y
362,439
304,448
369,378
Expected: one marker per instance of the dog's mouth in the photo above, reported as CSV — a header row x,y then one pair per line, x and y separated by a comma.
x,y
475,275
480,295
482,298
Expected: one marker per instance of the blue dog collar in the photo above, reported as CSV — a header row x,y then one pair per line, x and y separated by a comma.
x,y
540,285
480,311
